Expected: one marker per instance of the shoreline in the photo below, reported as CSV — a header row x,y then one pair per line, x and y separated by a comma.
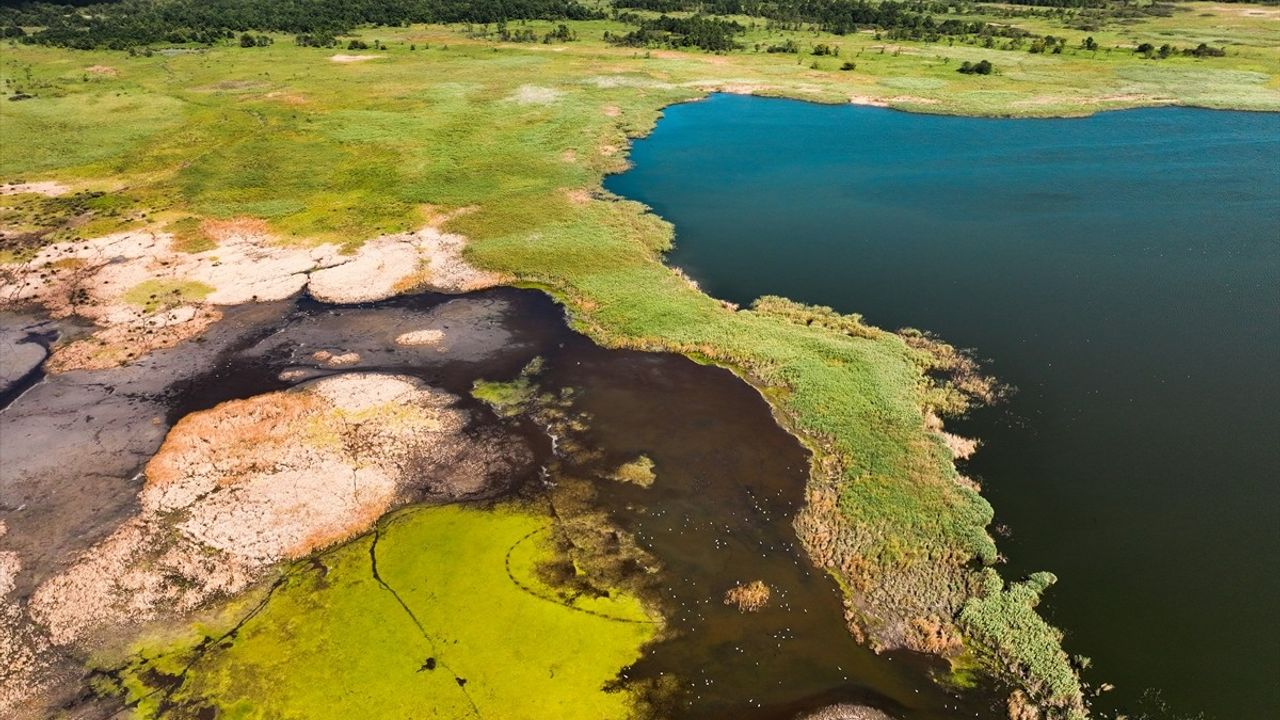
x,y
694,324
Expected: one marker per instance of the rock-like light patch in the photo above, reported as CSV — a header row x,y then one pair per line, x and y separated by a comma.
x,y
92,279
253,482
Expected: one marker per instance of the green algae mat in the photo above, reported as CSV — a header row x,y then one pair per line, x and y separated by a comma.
x,y
437,614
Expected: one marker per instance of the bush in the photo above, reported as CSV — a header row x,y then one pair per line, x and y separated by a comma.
x,y
982,67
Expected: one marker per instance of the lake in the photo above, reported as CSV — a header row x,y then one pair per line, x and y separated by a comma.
x,y
1121,271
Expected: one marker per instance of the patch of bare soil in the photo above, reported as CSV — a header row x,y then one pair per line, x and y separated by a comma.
x,y
427,259
884,102
48,188
578,196
536,95
1249,11
92,279
336,360
354,58
249,483
868,100
123,342
102,70
416,338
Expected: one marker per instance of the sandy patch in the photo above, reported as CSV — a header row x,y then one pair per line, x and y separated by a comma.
x,y
238,488
1066,100
287,98
569,156
48,188
578,196
535,95
1255,12
611,110
736,88
868,100
424,260
884,102
102,70
92,279
629,81
421,338
336,360
354,58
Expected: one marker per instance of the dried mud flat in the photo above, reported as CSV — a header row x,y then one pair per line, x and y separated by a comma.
x,y
143,293
113,519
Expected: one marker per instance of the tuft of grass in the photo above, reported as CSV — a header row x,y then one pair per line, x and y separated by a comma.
x,y
189,235
155,295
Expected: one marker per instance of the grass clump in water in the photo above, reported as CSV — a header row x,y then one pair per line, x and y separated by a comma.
x,y
512,397
637,472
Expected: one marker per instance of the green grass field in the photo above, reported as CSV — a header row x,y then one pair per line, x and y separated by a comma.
x,y
324,150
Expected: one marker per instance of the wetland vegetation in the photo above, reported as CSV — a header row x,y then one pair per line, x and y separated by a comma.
x,y
1080,273
204,153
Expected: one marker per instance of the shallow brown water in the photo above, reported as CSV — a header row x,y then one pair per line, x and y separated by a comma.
x,y
729,482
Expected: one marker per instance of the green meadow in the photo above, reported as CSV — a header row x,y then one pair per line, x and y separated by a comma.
x,y
523,134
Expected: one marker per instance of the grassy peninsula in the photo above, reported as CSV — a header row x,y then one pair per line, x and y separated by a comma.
x,y
506,142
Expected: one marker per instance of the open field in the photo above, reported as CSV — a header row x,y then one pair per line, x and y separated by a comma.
x,y
316,148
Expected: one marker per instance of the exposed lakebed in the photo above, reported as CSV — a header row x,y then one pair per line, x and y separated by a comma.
x,y
1121,271
727,482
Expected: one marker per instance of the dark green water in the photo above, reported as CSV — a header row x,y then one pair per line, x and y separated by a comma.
x,y
1122,271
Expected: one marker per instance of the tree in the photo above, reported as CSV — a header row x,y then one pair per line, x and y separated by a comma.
x,y
247,41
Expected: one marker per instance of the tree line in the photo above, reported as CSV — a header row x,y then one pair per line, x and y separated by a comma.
x,y
700,31
129,23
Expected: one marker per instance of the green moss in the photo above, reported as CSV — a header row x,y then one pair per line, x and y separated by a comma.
x,y
153,295
334,642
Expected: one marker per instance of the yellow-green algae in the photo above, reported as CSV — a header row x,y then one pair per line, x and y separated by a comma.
x,y
455,623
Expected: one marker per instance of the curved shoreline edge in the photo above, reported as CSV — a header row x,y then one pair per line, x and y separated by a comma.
x,y
976,621
887,512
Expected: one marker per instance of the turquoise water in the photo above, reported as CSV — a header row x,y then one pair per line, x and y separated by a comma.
x,y
1121,271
